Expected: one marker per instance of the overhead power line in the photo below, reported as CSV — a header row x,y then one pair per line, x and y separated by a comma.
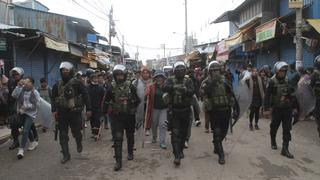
x,y
151,48
96,8
105,19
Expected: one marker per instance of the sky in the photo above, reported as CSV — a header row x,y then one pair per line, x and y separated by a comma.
x,y
146,24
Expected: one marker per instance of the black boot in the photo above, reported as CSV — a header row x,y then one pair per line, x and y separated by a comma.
x,y
118,165
220,153
177,155
273,143
251,127
15,144
130,153
181,155
130,144
79,147
181,151
65,153
285,151
177,161
118,155
79,144
215,150
130,156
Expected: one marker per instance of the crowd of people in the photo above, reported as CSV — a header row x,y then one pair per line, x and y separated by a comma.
x,y
157,101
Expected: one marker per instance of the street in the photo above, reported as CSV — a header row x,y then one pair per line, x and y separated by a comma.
x,y
248,156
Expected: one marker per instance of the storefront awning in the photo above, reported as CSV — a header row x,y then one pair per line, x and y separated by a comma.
x,y
56,45
75,50
315,23
242,35
266,31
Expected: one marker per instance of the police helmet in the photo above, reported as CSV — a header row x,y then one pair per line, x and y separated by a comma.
x,y
316,62
18,70
89,72
119,69
179,66
103,72
67,65
214,65
280,65
79,74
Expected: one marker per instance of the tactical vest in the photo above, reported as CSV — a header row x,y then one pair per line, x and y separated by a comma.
x,y
219,97
280,94
316,88
180,99
67,99
122,97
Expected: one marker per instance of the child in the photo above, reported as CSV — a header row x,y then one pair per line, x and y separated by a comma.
x,y
28,100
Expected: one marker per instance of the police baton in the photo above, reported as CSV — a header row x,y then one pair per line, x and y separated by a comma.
x,y
56,131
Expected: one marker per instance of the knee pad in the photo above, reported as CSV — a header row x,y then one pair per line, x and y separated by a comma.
x,y
63,134
217,134
118,136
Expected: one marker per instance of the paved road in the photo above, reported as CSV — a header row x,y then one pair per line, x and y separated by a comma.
x,y
248,156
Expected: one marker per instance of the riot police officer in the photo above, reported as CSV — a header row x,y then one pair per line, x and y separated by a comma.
x,y
315,84
69,96
122,98
180,90
218,99
279,96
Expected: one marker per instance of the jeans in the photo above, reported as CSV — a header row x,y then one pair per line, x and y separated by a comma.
x,y
27,121
159,116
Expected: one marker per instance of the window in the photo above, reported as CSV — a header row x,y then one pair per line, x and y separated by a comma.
x,y
307,2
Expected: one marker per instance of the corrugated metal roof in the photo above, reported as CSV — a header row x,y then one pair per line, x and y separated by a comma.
x,y
52,23
226,16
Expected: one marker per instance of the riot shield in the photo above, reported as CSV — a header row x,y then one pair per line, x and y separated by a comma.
x,y
44,116
244,97
305,97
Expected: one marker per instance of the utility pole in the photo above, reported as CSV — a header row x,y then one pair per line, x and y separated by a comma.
x,y
7,18
297,5
299,44
164,51
186,26
122,50
112,32
137,54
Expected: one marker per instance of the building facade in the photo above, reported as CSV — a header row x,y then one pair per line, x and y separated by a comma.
x,y
262,32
